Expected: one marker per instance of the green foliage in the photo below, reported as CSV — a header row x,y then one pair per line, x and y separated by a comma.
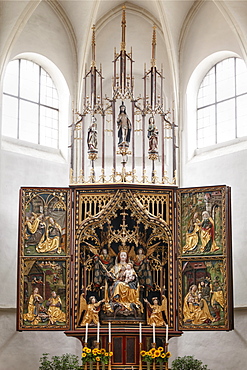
x,y
188,363
64,362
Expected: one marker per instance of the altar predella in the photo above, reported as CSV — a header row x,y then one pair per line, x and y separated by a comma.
x,y
122,260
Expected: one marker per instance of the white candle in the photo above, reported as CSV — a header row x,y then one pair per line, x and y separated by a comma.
x,y
86,332
140,332
166,334
98,332
109,332
153,332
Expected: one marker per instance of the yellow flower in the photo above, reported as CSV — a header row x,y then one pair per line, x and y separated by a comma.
x,y
106,354
163,355
161,349
88,350
168,354
152,350
84,349
143,353
97,358
95,351
157,353
103,351
111,354
84,354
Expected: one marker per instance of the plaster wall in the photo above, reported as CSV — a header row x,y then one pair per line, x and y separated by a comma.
x,y
210,32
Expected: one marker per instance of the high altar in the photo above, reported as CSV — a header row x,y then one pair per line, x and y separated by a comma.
x,y
124,263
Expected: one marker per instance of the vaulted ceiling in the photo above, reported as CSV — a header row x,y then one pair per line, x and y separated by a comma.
x,y
21,22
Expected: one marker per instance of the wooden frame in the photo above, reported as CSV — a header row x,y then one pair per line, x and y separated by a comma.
x,y
44,259
193,257
204,259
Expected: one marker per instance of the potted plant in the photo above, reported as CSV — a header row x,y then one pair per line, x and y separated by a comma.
x,y
188,363
95,355
64,362
158,355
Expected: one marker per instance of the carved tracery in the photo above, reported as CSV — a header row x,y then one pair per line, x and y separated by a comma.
x,y
124,224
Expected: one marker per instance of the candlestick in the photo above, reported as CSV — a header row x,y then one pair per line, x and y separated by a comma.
x,y
140,332
98,332
109,332
109,350
97,346
140,357
86,335
166,334
153,332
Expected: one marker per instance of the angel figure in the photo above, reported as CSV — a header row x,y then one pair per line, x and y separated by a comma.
x,y
142,265
155,311
91,315
103,262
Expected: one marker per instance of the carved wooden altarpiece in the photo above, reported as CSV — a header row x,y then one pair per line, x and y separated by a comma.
x,y
74,241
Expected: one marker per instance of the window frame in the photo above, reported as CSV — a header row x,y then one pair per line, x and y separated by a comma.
x,y
19,98
216,104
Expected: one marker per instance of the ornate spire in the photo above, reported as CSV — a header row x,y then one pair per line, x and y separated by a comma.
x,y
123,43
153,60
93,63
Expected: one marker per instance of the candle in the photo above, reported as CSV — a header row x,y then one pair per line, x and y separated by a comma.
x,y
86,333
153,332
109,331
140,332
166,334
98,332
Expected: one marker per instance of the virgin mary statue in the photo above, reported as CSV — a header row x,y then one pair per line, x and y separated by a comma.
x,y
123,285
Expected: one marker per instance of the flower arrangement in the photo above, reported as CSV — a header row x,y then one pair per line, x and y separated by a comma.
x,y
95,355
158,355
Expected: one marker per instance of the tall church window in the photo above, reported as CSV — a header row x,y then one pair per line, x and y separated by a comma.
x,y
30,104
222,103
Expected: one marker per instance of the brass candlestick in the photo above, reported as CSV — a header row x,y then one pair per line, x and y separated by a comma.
x,y
166,363
154,364
140,357
109,350
85,365
97,363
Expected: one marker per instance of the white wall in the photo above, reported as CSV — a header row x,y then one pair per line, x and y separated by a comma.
x,y
26,165
210,38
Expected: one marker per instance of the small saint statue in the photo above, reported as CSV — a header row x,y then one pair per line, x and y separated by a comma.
x,y
152,136
124,127
92,141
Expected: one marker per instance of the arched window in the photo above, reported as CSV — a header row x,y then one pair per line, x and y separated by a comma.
x,y
222,103
30,104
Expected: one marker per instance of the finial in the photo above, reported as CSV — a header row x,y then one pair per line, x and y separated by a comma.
x,y
93,63
123,44
93,37
153,60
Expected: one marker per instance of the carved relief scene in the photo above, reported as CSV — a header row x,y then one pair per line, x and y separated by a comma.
x,y
44,264
202,220
45,223
204,294
45,295
124,254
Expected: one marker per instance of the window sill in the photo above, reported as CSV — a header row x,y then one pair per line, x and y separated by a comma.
x,y
31,149
218,150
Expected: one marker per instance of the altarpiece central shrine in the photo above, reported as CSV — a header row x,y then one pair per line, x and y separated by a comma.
x,y
124,260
